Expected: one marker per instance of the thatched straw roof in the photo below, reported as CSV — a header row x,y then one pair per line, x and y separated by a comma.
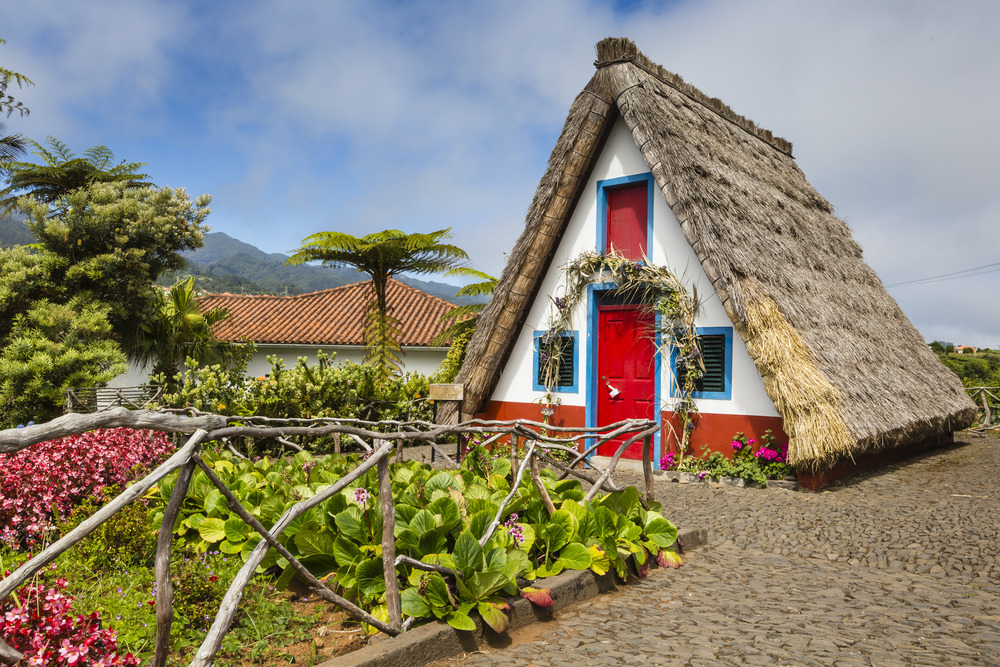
x,y
846,369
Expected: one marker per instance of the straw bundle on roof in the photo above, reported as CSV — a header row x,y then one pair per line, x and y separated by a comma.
x,y
856,375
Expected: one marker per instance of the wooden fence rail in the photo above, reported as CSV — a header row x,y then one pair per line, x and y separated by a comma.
x,y
986,396
385,437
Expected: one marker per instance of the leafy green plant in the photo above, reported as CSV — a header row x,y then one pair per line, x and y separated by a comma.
x,y
323,389
440,518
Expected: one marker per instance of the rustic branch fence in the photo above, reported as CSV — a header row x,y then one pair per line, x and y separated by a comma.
x,y
989,400
539,440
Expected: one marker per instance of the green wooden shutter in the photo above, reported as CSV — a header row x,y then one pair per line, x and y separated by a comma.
x,y
713,354
566,355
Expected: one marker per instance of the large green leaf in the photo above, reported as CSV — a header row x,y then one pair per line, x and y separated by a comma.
x,y
404,514
313,543
501,467
484,584
468,554
554,537
271,508
565,519
586,532
460,619
440,481
494,613
575,556
623,503
236,529
212,530
227,547
447,513
349,522
477,492
423,522
370,577
479,522
320,565
345,551
549,570
437,594
412,604
433,542
484,505
661,532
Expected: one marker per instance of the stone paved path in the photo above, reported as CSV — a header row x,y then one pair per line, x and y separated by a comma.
x,y
899,566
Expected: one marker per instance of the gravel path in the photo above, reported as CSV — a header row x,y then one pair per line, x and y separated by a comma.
x,y
896,566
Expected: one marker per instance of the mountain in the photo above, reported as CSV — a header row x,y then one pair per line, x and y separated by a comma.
x,y
224,257
13,231
226,264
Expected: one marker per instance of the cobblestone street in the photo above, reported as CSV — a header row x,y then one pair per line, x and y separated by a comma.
x,y
896,566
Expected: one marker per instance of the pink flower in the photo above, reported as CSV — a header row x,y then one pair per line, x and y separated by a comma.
x,y
361,495
72,653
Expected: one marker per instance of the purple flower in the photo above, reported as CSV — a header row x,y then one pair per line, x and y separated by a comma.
x,y
737,445
515,529
667,461
702,475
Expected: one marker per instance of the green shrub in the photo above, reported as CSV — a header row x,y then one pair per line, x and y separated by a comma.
x,y
127,539
323,389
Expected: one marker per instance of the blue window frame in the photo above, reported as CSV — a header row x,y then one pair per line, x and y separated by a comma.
x,y
569,367
717,353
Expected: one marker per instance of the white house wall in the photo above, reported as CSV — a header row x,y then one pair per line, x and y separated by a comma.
x,y
619,158
415,359
422,360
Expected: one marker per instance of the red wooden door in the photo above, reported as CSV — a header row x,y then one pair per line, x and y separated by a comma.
x,y
625,350
626,217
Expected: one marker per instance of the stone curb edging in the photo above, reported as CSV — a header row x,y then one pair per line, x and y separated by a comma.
x,y
437,641
685,477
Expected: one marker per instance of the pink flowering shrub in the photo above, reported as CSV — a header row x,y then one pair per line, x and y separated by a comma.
x,y
54,476
40,624
668,461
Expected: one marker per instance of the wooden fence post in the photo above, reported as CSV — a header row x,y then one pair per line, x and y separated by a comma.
x,y
647,466
388,541
164,584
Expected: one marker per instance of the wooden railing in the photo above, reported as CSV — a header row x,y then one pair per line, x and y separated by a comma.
x,y
380,439
987,397
92,399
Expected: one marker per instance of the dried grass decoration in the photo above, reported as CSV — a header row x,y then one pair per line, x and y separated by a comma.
x,y
652,286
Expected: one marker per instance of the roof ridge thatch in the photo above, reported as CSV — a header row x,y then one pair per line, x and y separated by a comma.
x,y
778,259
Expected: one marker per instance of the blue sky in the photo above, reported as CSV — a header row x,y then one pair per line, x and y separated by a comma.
x,y
361,116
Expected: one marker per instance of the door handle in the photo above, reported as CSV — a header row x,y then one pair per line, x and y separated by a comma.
x,y
612,391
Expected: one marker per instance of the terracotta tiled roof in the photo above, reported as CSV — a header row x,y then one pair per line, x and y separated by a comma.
x,y
329,317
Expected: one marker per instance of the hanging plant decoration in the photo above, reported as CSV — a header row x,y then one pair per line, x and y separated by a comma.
x,y
655,287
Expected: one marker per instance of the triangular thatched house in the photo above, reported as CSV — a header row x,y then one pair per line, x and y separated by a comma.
x,y
803,338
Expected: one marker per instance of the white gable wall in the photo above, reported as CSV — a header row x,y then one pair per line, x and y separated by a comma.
x,y
621,157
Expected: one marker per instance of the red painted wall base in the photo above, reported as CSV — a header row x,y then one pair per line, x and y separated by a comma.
x,y
717,431
565,415
817,480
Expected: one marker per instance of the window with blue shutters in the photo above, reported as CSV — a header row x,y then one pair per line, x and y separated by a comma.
x,y
716,347
564,345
